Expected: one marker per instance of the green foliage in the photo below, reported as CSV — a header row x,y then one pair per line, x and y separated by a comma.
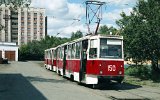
x,y
106,30
142,34
35,49
143,72
31,51
76,35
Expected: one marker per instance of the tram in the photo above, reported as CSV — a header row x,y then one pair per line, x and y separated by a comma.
x,y
89,59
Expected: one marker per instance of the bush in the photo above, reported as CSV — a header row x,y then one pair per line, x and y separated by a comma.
x,y
140,71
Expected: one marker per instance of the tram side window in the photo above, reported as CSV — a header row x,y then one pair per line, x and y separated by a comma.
x,y
52,53
49,54
58,53
93,49
78,50
93,53
62,52
72,51
69,52
55,54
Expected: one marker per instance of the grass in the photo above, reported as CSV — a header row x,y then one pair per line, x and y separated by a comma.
x,y
137,81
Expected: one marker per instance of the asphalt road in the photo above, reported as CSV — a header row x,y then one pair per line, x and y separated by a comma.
x,y
30,81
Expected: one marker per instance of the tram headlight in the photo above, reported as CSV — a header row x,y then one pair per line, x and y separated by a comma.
x,y
101,72
120,72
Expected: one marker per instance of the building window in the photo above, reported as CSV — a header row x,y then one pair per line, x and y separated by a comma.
x,y
22,28
35,14
22,23
35,19
14,23
29,39
22,34
29,14
35,37
6,11
28,34
29,18
41,14
22,18
41,35
22,13
29,23
22,38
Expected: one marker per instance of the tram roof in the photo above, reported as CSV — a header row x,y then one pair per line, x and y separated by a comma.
x,y
89,37
53,48
98,36
47,49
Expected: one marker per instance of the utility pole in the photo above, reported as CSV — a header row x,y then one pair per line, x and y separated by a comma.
x,y
93,12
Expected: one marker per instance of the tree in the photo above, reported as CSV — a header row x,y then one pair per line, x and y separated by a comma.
x,y
76,35
35,50
142,34
106,30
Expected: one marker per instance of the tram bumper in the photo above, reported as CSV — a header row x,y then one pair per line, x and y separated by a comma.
x,y
119,79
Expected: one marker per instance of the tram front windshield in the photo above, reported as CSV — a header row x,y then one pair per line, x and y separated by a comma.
x,y
110,48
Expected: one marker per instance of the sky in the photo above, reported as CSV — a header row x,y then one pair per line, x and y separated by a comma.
x,y
67,16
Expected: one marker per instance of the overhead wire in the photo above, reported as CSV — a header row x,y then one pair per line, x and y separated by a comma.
x,y
79,18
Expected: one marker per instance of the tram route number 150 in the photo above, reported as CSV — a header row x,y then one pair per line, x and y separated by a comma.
x,y
111,68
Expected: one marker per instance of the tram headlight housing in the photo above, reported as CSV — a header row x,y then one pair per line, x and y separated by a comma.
x,y
120,73
101,72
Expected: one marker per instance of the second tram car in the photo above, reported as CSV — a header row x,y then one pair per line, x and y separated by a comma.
x,y
91,59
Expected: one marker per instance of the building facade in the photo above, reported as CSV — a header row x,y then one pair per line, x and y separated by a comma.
x,y
22,26
9,50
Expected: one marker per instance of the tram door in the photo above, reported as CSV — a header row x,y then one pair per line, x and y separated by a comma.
x,y
83,59
64,59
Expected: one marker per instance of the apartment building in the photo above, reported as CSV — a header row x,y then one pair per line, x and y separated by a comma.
x,y
22,26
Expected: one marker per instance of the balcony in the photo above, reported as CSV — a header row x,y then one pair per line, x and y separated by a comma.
x,y
6,16
14,26
14,31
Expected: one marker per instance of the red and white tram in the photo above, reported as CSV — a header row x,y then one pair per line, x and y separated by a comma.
x,y
91,59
